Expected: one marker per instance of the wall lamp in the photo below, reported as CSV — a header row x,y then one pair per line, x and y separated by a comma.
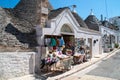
x,y
95,41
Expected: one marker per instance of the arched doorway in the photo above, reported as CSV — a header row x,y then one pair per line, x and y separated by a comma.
x,y
68,34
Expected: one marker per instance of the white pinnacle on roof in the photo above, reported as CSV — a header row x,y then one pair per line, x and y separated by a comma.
x,y
91,13
73,8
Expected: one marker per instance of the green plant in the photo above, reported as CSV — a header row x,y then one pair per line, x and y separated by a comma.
x,y
109,46
116,45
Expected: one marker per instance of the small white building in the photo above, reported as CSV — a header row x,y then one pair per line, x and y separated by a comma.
x,y
63,22
110,35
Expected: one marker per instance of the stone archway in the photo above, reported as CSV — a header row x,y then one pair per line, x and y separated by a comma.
x,y
66,29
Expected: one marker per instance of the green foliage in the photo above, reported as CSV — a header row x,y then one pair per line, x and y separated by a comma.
x,y
109,46
116,45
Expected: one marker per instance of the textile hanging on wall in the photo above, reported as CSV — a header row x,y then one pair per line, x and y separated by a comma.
x,y
53,42
79,42
57,42
47,41
61,42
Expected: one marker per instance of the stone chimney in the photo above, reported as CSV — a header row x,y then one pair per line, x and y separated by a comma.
x,y
101,17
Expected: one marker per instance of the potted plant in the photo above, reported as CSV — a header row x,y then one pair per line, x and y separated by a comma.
x,y
116,45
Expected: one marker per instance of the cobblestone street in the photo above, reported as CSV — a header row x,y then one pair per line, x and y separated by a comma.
x,y
107,69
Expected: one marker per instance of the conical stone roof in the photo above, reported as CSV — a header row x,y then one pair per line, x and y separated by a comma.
x,y
15,32
92,22
107,24
79,20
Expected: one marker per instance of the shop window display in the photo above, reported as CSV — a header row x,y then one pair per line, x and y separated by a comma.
x,y
78,43
57,45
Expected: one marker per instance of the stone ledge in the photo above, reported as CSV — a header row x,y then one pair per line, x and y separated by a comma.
x,y
16,49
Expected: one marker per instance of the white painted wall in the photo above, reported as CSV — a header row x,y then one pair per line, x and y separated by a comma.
x,y
17,64
105,30
66,17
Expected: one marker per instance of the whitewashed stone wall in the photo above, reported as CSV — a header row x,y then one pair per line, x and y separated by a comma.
x,y
15,64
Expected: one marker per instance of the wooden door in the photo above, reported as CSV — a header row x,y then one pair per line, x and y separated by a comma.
x,y
90,46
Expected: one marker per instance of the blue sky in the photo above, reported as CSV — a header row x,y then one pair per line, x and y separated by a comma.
x,y
8,3
98,6
83,6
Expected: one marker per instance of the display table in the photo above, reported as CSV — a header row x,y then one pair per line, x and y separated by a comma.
x,y
78,58
66,63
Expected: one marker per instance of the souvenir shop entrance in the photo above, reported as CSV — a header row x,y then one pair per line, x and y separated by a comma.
x,y
69,43
67,33
69,39
59,41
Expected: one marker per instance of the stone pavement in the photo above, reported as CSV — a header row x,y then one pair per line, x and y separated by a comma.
x,y
105,69
75,68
